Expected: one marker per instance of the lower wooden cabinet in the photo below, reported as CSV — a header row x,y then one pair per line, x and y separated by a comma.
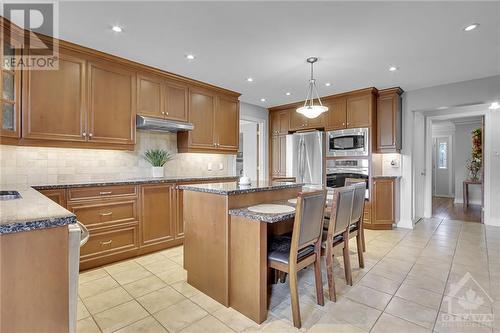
x,y
383,209
56,195
158,211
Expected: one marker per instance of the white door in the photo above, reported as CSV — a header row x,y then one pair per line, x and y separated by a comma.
x,y
442,166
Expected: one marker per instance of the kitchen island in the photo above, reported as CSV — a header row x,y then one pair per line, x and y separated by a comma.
x,y
225,245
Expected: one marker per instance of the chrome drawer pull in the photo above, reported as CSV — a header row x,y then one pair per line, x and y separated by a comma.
x,y
107,242
105,193
106,214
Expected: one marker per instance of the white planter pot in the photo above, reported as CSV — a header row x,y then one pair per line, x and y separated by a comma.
x,y
158,172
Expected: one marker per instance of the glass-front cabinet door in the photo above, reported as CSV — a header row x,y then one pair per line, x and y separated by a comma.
x,y
10,89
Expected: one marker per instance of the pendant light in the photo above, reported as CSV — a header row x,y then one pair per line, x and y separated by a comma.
x,y
310,110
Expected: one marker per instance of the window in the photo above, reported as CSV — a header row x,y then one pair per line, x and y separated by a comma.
x,y
443,155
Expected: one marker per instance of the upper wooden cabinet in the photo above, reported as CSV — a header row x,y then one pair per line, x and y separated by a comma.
x,y
112,104
161,98
10,89
216,123
360,110
279,122
54,101
389,121
300,122
337,113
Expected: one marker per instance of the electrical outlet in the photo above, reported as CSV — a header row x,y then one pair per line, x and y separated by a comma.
x,y
209,166
395,163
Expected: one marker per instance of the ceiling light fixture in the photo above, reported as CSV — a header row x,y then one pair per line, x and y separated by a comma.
x,y
262,99
117,28
393,68
328,84
190,56
310,110
471,27
288,93
249,79
494,106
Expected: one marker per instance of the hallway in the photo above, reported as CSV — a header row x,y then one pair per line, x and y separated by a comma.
x,y
444,208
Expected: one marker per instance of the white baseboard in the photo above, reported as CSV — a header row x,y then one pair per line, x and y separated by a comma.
x,y
406,224
471,202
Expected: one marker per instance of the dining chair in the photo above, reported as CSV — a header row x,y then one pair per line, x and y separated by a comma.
x,y
337,233
292,252
359,213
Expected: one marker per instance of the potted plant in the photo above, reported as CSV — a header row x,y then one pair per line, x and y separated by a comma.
x,y
157,158
474,164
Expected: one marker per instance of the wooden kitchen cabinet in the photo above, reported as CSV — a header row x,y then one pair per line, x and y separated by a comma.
x,y
56,195
385,202
278,156
158,212
337,113
389,121
360,110
279,121
112,103
216,123
300,122
10,94
54,101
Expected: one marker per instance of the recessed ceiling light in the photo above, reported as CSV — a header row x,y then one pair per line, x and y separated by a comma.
x,y
117,28
393,68
249,79
494,106
262,99
288,93
328,84
471,27
190,56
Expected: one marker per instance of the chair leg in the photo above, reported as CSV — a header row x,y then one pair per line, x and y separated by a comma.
x,y
359,244
319,283
294,295
329,273
362,232
347,260
282,276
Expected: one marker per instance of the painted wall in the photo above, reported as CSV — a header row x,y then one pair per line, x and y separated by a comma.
x,y
39,165
480,91
462,152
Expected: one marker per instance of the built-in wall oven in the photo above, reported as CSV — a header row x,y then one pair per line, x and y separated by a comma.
x,y
339,169
348,142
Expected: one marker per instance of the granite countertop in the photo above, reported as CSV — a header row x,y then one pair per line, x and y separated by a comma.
x,y
264,217
31,211
386,177
133,181
231,188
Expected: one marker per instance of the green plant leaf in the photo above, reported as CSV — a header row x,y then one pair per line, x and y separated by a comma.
x,y
157,157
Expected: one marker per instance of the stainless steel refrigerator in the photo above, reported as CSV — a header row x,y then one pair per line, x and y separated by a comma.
x,y
305,156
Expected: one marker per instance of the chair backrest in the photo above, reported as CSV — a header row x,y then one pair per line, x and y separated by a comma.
x,y
358,205
308,224
352,181
341,213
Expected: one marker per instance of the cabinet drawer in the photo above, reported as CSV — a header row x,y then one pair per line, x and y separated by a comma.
x,y
104,213
101,192
111,241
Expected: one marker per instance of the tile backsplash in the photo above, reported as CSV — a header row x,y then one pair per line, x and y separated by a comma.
x,y
386,164
40,165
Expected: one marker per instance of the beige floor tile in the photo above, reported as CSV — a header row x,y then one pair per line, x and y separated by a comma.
x,y
359,315
106,300
179,260
327,324
367,296
120,316
412,312
82,311
388,323
173,275
160,299
180,315
208,324
92,275
87,325
161,265
149,259
146,325
144,286
96,286
426,282
122,266
310,311
380,283
185,288
234,319
206,302
131,275
175,251
420,296
450,324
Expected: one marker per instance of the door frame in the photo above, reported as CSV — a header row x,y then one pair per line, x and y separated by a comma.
x,y
262,135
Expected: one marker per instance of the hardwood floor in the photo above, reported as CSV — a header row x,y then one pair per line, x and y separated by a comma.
x,y
444,208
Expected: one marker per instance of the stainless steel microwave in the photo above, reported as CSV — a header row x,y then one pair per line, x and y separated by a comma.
x,y
348,142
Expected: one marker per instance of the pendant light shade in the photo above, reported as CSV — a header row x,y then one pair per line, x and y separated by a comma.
x,y
309,109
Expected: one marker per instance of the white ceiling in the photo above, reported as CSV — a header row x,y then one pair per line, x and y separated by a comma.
x,y
269,41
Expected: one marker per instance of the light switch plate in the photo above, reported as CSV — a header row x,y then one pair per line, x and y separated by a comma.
x,y
209,166
221,166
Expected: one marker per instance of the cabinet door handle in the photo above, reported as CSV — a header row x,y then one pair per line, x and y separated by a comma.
x,y
105,193
90,135
106,214
107,242
343,124
166,113
84,134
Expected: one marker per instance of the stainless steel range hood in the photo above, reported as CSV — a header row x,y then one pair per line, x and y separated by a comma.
x,y
161,125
